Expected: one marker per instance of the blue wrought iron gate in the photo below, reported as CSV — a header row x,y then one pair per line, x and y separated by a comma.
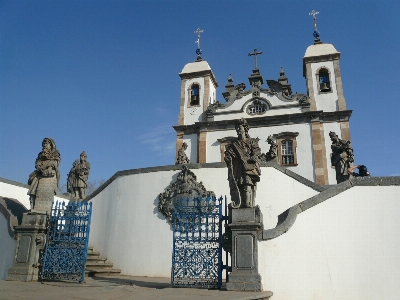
x,y
197,251
67,241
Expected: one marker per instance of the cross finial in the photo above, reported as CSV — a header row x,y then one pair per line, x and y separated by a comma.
x,y
255,53
314,14
316,32
198,31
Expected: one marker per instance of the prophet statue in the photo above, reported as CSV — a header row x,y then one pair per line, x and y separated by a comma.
x,y
182,157
78,177
242,158
342,157
43,182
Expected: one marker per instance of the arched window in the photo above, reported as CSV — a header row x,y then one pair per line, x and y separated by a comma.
x,y
257,108
324,80
195,95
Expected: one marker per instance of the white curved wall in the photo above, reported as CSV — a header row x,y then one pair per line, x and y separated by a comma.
x,y
16,192
347,247
7,248
128,229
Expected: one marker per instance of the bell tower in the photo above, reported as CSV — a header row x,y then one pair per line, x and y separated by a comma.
x,y
198,91
324,86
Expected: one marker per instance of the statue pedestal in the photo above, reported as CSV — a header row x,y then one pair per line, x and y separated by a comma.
x,y
45,195
245,226
31,239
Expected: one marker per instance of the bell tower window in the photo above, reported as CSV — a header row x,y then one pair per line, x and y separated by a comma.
x,y
324,82
195,95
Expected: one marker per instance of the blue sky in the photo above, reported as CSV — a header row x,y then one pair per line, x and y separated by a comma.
x,y
102,76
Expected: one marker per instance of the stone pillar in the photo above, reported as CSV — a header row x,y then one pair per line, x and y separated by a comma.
x,y
202,147
245,225
31,239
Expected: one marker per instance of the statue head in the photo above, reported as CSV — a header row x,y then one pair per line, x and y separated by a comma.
x,y
48,145
83,156
184,145
269,139
333,136
242,128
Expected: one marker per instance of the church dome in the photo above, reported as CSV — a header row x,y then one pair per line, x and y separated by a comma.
x,y
320,49
196,66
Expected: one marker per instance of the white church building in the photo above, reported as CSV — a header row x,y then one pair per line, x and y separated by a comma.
x,y
320,240
299,123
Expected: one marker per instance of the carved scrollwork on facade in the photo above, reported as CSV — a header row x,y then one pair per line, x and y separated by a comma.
x,y
185,186
237,93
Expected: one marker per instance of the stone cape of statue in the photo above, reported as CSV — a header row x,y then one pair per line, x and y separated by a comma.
x,y
78,177
43,182
242,158
342,157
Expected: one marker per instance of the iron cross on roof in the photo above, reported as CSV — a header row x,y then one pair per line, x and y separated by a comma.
x,y
255,53
198,31
314,14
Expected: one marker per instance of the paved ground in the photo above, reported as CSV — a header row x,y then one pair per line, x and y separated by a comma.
x,y
116,288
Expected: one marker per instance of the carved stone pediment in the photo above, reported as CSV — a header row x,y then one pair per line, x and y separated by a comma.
x,y
185,186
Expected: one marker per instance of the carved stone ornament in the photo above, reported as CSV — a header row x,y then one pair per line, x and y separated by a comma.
x,y
237,93
257,107
185,186
182,157
273,151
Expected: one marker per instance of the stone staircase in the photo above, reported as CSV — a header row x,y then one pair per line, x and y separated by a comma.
x,y
97,265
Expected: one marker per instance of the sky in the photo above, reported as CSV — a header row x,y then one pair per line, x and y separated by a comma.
x,y
102,76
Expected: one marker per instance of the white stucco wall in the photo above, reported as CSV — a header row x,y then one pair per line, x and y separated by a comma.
x,y
15,192
347,247
128,229
325,101
191,140
7,248
304,146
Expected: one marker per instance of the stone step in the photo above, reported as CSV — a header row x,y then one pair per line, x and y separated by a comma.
x,y
97,265
96,258
101,272
92,252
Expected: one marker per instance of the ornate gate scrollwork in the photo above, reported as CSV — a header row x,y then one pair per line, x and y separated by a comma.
x,y
197,251
185,186
67,242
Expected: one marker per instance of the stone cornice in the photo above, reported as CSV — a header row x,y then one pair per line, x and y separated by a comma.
x,y
200,74
267,121
288,217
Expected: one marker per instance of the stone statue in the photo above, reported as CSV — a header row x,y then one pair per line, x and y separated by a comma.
x,y
71,177
182,158
342,157
242,158
273,148
78,177
43,182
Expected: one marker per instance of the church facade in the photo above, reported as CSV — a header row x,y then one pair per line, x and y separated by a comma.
x,y
296,125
